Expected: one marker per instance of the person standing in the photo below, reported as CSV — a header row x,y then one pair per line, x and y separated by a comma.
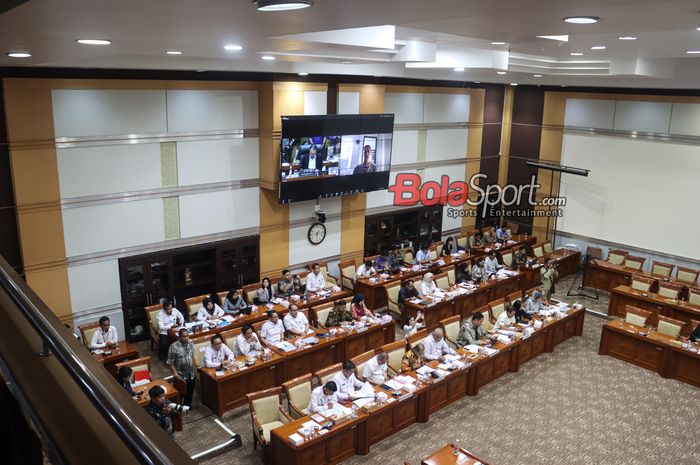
x,y
159,409
548,274
167,318
181,361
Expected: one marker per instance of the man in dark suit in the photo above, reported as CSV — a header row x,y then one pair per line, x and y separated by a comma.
x,y
312,160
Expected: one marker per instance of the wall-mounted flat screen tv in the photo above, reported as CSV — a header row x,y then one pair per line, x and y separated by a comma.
x,y
331,155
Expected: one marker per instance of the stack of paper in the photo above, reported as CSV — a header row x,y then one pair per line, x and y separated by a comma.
x,y
310,340
395,385
506,332
359,403
504,339
490,352
285,346
366,391
451,357
405,379
473,348
424,370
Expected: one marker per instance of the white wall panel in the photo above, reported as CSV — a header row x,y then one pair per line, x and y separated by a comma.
x,y
384,198
404,147
300,249
589,113
643,116
685,119
215,212
209,110
112,226
88,171
407,107
446,108
105,112
635,192
94,285
348,103
201,162
446,144
455,173
315,102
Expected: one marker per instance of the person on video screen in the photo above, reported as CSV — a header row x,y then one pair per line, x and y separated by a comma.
x,y
313,160
366,166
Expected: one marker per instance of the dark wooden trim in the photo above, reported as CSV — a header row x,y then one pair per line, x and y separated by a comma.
x,y
9,231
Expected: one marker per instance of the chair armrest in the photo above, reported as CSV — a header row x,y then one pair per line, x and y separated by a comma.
x,y
296,411
285,415
257,427
394,370
450,342
332,276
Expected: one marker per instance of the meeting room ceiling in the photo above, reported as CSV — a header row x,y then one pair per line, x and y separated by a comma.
x,y
438,39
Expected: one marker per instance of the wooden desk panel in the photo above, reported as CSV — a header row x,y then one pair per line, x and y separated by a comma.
x,y
446,456
172,394
377,335
326,352
123,351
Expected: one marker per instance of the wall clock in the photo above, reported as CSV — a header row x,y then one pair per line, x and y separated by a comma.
x,y
317,233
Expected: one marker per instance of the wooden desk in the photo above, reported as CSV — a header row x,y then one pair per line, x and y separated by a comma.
x,y
172,394
123,351
515,243
446,456
567,260
606,276
371,337
621,296
225,392
326,352
652,351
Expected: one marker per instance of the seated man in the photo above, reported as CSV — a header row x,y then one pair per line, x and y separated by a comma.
x,y
209,310
414,358
366,166
272,331
382,263
436,346
520,257
217,354
489,237
395,258
491,265
347,382
471,331
476,240
534,304
296,322
159,409
338,314
365,270
247,343
423,255
106,336
521,315
376,369
285,287
506,319
323,397
695,335
503,232
314,280
408,291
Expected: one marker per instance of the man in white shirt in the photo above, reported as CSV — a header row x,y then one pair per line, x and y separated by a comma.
x,y
423,255
167,318
323,397
273,329
209,310
365,270
314,280
534,303
505,319
436,346
247,342
296,322
491,265
105,336
346,381
217,354
376,369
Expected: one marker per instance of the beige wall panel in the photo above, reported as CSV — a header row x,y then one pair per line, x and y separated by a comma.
x,y
51,286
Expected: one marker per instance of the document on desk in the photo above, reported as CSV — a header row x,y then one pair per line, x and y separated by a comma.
x,y
395,385
424,370
359,403
473,348
405,379
285,346
367,390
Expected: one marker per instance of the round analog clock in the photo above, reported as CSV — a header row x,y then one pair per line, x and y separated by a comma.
x,y
317,233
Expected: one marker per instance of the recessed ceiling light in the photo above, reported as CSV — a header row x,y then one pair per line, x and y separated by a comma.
x,y
581,19
303,74
19,54
498,43
692,51
598,47
500,72
282,5
627,38
232,47
537,75
94,41
173,52
459,69
576,54
268,58
513,83
345,62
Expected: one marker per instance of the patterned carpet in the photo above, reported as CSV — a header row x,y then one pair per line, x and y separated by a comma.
x,y
569,407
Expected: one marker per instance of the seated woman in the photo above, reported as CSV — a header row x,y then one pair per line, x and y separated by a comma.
x,y
358,309
124,379
209,310
265,293
462,274
428,285
234,303
479,270
448,247
414,358
414,325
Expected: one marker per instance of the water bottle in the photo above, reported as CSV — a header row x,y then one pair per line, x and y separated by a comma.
x,y
455,449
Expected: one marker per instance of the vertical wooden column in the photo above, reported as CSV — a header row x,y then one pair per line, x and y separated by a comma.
x,y
474,143
30,129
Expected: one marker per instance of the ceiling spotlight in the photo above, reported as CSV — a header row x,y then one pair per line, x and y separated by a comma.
x,y
537,75
268,58
303,74
459,69
19,54
498,43
692,51
581,19
345,62
513,83
94,41
232,47
627,38
500,72
598,47
576,54
173,52
282,5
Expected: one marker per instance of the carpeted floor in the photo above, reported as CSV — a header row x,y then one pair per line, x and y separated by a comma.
x,y
568,407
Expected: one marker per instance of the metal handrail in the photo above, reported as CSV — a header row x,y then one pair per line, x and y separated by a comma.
x,y
144,449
